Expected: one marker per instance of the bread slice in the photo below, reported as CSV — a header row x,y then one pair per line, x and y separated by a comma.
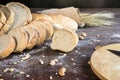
x,y
66,22
36,24
9,18
32,37
7,44
64,40
37,16
2,19
49,28
22,14
20,38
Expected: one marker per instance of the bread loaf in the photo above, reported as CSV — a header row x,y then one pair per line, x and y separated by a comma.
x,y
21,39
7,44
64,21
22,14
9,18
64,40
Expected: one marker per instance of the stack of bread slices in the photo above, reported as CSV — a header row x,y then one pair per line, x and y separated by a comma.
x,y
20,29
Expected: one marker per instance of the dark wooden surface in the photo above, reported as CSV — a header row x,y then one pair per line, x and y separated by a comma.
x,y
81,55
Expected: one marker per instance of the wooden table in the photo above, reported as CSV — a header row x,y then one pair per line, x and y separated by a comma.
x,y
76,62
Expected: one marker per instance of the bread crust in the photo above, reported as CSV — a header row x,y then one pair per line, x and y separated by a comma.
x,y
40,30
2,19
9,48
37,16
66,22
33,36
9,18
20,38
49,28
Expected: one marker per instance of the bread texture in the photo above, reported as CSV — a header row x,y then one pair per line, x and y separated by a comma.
x,y
7,44
9,18
2,19
21,39
66,22
64,40
37,16
36,24
32,37
22,14
49,28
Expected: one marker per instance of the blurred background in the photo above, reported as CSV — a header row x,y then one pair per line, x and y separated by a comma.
x,y
66,3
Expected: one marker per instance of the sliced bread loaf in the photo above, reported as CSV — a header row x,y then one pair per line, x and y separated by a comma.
x,y
40,30
32,37
7,44
22,14
66,22
21,39
9,18
64,40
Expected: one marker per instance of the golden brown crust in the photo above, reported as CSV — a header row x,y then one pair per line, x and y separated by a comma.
x,y
37,16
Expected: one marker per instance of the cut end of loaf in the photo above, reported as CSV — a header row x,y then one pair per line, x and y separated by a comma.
x,y
7,45
63,40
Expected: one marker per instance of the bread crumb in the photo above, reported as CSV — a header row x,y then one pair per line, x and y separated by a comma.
x,y
56,73
51,77
27,56
97,47
8,69
88,62
83,34
15,62
21,72
72,59
43,56
41,61
98,35
62,71
81,37
76,51
64,54
52,62
74,63
27,75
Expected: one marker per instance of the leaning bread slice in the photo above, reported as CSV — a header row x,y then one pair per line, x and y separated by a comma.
x,y
7,46
20,38
22,14
9,18
66,22
2,19
49,28
32,37
64,40
36,24
37,16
